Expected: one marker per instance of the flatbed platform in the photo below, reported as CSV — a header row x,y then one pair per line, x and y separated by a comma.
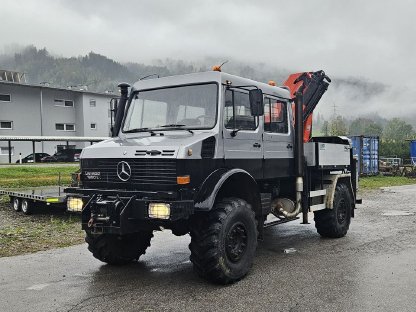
x,y
26,200
50,194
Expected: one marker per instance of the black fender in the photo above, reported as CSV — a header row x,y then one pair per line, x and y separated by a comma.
x,y
246,189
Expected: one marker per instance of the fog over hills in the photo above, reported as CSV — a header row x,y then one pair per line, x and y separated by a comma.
x,y
350,97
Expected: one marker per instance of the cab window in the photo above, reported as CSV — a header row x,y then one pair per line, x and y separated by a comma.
x,y
275,116
237,113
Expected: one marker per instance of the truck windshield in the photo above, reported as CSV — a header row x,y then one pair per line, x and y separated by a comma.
x,y
184,107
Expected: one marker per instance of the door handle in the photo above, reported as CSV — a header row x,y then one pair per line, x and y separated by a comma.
x,y
289,146
256,145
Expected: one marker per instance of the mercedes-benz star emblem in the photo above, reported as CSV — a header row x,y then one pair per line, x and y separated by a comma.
x,y
123,171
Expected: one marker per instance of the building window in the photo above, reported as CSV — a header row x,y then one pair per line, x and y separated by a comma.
x,y
64,103
5,97
64,127
93,126
93,103
5,150
6,125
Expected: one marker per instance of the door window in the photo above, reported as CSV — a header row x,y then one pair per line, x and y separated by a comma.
x,y
237,113
275,116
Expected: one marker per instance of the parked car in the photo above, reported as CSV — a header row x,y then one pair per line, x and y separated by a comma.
x,y
29,158
66,155
77,156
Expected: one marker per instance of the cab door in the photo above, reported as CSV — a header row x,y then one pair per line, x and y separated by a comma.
x,y
278,141
242,136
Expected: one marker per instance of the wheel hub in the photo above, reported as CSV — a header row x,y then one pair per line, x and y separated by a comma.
x,y
236,242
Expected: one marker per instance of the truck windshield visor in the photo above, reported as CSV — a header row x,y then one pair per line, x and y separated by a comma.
x,y
185,107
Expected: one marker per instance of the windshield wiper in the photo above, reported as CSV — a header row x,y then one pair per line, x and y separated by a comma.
x,y
172,125
177,126
140,130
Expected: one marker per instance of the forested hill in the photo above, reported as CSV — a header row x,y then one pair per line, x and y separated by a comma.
x,y
100,73
95,71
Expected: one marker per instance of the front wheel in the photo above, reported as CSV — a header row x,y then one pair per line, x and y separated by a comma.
x,y
224,241
118,249
335,222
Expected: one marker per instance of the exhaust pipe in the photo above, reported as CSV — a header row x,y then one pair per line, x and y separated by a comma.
x,y
120,108
298,156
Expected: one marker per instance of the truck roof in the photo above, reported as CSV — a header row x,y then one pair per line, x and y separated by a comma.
x,y
210,76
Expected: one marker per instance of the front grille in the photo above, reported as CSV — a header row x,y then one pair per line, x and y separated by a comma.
x,y
145,173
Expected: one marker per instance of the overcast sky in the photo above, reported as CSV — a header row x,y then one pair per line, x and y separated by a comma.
x,y
366,38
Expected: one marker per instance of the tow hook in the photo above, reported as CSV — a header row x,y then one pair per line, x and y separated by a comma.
x,y
91,222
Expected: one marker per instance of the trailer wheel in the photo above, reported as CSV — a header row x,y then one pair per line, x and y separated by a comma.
x,y
224,241
118,249
16,204
334,223
27,206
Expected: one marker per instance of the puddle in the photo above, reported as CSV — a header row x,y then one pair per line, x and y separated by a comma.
x,y
38,287
289,250
397,213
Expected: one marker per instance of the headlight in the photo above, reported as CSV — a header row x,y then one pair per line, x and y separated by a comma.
x,y
159,211
74,204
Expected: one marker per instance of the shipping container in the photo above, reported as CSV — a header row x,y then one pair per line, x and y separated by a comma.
x,y
413,151
365,148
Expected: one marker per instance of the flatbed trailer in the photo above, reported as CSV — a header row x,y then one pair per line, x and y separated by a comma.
x,y
26,200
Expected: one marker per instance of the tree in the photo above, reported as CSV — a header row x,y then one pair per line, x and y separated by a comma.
x,y
374,129
365,126
338,126
395,149
397,130
325,128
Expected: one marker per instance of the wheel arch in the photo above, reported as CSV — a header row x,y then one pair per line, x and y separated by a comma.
x,y
222,183
335,179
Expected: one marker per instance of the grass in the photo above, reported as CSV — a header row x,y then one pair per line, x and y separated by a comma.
x,y
20,234
30,176
368,183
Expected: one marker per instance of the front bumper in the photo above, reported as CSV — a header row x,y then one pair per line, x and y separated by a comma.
x,y
123,215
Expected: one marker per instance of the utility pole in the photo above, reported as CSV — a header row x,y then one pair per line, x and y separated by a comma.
x,y
335,109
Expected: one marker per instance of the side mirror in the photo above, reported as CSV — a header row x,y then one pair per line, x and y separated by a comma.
x,y
256,102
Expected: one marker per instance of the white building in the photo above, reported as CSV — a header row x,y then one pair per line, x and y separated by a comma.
x,y
40,110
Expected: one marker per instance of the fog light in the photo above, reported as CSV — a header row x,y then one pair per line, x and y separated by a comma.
x,y
159,211
74,204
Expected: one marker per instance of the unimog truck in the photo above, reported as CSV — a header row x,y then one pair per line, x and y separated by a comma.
x,y
218,157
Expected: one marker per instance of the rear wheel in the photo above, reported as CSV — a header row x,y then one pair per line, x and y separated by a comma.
x,y
16,204
224,241
335,222
27,206
118,249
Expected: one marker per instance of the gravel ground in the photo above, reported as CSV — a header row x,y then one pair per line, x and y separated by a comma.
x,y
47,228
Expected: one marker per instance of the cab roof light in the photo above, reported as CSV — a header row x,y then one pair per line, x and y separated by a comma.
x,y
218,67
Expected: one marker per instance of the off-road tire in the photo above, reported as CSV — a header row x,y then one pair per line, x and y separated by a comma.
x,y
334,223
27,206
224,241
16,204
118,249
